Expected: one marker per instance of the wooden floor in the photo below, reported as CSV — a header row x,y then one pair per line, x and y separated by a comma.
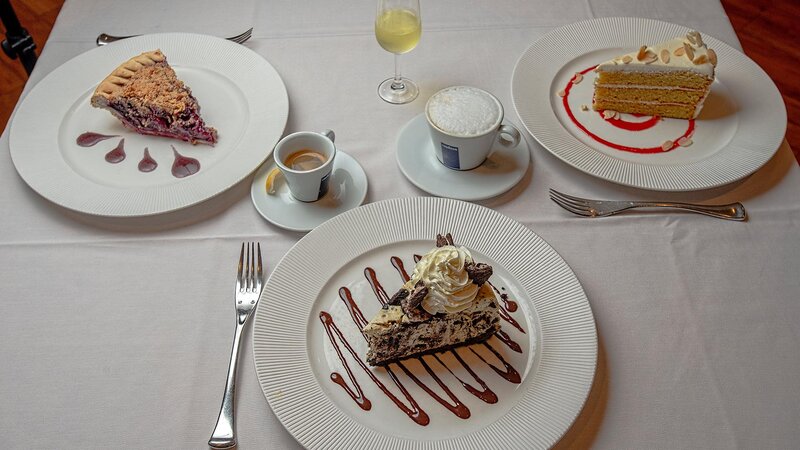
x,y
767,30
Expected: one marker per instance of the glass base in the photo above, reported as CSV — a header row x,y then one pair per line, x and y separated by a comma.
x,y
398,93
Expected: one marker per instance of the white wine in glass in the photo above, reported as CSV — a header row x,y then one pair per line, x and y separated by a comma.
x,y
398,27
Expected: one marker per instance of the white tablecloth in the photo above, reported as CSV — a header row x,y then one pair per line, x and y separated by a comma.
x,y
117,333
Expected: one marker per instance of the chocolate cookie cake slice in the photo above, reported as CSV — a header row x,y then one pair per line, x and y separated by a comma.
x,y
147,97
446,303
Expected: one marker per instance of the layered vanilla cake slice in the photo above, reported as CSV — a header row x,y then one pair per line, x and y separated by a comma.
x,y
146,95
447,302
670,79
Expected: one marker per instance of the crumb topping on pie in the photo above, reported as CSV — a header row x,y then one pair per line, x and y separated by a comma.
x,y
146,95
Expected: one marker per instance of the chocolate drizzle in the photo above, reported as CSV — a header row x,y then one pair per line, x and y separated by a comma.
x,y
456,407
410,407
369,272
398,264
510,305
358,394
509,373
507,317
503,337
414,411
485,394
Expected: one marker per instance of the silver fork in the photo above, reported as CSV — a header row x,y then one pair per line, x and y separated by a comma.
x,y
602,208
105,39
249,279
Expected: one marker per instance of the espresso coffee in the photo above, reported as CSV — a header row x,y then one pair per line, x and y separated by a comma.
x,y
464,111
305,160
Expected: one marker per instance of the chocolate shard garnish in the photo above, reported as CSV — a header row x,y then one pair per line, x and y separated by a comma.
x,y
411,303
479,273
419,293
398,297
441,241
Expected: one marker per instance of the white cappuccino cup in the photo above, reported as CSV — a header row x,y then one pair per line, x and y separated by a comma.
x,y
465,123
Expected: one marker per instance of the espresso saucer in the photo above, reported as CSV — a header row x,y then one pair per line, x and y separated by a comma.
x,y
347,189
501,171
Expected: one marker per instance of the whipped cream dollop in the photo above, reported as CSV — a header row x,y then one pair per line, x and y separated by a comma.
x,y
442,271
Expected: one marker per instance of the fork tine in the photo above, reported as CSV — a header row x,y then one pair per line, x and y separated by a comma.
x,y
239,270
260,273
252,266
249,270
569,201
569,207
585,201
242,37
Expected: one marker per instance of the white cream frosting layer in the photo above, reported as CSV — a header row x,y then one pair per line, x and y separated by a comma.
x,y
644,86
700,63
449,286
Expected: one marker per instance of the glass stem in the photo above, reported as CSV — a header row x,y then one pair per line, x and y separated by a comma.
x,y
397,83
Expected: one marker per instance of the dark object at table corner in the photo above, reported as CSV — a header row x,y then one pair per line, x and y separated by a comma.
x,y
18,43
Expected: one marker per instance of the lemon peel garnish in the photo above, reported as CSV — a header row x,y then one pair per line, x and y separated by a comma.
x,y
271,179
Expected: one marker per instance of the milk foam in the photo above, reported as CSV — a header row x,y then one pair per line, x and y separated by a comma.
x,y
464,111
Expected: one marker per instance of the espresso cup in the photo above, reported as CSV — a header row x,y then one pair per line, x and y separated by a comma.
x,y
306,185
465,124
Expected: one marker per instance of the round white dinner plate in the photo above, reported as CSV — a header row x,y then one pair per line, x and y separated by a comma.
x,y
240,94
501,171
739,129
316,299
347,189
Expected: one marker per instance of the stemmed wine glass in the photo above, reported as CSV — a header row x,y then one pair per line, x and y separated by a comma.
x,y
398,26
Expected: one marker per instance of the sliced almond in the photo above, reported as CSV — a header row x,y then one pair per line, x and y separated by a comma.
x,y
698,38
562,93
680,51
578,78
712,56
689,51
650,57
702,59
685,141
667,145
690,37
642,52
584,107
627,59
665,56
609,114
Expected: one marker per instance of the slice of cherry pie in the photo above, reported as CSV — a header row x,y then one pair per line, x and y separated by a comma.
x,y
146,96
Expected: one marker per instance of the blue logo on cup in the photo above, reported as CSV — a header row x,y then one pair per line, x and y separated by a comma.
x,y
450,156
323,185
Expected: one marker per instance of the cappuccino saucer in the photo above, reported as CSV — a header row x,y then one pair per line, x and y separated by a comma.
x,y
347,189
501,171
